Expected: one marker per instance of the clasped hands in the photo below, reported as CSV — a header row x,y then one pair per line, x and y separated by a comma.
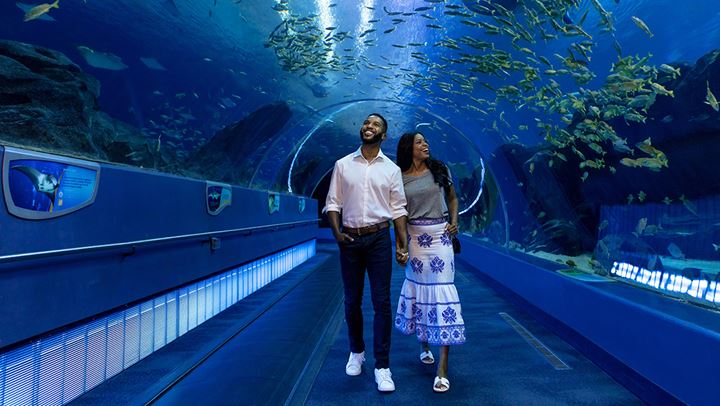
x,y
401,255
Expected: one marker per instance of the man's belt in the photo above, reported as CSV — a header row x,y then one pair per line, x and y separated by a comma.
x,y
366,230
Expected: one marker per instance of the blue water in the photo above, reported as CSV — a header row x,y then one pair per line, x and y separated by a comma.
x,y
232,34
219,71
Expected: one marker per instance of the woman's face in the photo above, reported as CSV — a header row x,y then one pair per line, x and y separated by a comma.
x,y
421,149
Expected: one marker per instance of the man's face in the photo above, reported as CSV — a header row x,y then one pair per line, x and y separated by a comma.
x,y
372,130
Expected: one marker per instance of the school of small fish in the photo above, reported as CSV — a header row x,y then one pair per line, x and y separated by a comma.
x,y
567,119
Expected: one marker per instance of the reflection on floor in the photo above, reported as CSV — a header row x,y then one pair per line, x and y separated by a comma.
x,y
496,366
294,352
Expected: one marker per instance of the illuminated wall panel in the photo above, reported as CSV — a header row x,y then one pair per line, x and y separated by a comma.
x,y
699,287
55,370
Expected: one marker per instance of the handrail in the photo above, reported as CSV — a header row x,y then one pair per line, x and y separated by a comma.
x,y
134,244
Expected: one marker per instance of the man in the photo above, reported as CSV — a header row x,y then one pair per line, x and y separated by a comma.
x,y
366,186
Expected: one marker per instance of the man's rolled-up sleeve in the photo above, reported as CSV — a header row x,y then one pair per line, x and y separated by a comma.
x,y
334,201
397,196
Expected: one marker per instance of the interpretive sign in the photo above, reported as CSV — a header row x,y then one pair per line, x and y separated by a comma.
x,y
39,186
217,196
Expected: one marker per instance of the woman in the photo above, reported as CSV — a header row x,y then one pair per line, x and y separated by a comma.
x,y
429,305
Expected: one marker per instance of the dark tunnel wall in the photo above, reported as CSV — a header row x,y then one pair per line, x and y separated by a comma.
x,y
53,291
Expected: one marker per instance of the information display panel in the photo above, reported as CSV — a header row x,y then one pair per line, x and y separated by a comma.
x,y
39,186
217,197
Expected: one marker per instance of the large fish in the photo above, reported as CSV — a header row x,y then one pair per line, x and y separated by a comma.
x,y
102,60
44,183
710,99
27,7
152,63
40,10
319,90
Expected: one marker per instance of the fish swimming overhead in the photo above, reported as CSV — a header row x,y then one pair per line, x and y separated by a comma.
x,y
641,24
710,99
27,7
102,60
674,72
319,90
152,63
490,7
39,11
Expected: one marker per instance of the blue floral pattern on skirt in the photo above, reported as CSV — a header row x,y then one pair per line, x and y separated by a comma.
x,y
436,335
432,314
425,240
416,265
437,265
445,238
429,305
449,315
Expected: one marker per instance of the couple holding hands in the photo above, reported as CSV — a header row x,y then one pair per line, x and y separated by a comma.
x,y
416,194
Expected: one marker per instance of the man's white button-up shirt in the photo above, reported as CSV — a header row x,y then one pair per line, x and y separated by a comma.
x,y
366,192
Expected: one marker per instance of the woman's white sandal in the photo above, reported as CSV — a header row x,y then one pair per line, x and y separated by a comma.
x,y
441,384
426,357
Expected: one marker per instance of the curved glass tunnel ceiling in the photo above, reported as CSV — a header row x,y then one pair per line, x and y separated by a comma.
x,y
305,153
576,130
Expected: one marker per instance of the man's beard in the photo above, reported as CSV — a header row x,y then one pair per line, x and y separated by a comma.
x,y
374,140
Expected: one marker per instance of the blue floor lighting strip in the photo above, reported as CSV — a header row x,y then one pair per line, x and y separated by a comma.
x,y
57,369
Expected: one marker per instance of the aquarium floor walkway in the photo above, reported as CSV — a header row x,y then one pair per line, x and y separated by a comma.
x,y
287,343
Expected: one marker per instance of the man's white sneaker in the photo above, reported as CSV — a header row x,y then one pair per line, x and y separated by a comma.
x,y
383,378
354,364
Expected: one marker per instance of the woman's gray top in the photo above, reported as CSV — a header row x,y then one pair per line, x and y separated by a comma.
x,y
425,198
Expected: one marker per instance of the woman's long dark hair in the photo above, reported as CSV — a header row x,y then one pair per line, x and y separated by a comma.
x,y
405,159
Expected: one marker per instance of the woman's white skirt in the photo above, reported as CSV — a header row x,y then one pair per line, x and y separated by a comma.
x,y
429,304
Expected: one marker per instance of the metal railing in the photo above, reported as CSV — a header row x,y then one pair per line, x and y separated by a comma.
x,y
137,243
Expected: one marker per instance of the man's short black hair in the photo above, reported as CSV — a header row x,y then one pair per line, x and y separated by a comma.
x,y
381,118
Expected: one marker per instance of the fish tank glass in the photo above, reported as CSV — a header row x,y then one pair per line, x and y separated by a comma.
x,y
581,132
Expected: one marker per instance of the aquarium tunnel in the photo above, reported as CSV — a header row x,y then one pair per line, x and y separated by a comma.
x,y
166,167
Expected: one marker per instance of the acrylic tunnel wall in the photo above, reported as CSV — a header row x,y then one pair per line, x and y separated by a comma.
x,y
582,137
